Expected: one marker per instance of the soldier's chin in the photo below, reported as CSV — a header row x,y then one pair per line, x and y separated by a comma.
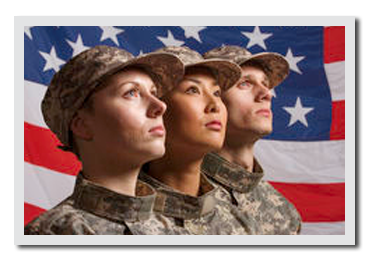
x,y
213,144
155,152
265,132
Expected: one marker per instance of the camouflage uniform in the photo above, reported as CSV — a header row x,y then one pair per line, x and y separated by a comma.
x,y
201,215
255,198
95,210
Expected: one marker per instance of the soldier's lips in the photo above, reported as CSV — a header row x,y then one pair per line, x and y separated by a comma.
x,y
264,112
214,125
157,131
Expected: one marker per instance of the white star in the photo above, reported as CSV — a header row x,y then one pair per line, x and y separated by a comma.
x,y
27,30
256,37
77,46
293,61
170,40
193,32
52,60
298,113
111,33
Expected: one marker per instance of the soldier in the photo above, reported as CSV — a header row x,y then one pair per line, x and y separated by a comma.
x,y
234,168
196,123
103,106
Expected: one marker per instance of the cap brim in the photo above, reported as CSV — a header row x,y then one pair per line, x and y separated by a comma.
x,y
227,73
165,69
277,66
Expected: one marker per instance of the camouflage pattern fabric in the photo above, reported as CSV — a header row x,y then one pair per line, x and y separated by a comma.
x,y
84,73
201,215
95,210
255,199
226,72
276,67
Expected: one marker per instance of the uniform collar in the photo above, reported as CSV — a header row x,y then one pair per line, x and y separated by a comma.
x,y
230,174
173,203
108,204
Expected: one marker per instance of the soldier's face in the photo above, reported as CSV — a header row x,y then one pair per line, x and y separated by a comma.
x,y
126,122
196,116
249,104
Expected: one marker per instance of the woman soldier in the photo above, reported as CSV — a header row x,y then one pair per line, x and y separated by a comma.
x,y
195,122
103,105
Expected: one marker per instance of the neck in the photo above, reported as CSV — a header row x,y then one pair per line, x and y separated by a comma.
x,y
178,170
239,150
119,177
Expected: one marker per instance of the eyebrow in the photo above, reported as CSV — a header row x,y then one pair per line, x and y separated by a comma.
x,y
135,83
119,86
198,81
251,77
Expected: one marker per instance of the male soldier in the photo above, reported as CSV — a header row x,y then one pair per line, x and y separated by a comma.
x,y
196,124
235,168
103,106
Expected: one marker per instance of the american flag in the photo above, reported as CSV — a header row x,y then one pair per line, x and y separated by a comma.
x,y
304,156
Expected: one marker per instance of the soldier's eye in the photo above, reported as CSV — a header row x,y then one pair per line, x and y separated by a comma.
x,y
132,93
266,84
217,93
245,84
155,92
192,90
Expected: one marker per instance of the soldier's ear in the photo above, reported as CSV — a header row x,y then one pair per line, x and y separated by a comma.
x,y
81,126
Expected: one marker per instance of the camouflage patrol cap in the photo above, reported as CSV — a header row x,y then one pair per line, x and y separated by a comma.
x,y
275,65
84,73
227,73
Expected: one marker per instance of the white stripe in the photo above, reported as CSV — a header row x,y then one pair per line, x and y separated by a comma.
x,y
333,228
45,188
302,162
335,73
33,95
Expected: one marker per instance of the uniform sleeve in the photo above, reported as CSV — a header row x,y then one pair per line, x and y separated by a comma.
x,y
70,224
58,223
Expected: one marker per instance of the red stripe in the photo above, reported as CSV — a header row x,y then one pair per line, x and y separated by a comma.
x,y
316,202
334,44
338,126
31,212
40,148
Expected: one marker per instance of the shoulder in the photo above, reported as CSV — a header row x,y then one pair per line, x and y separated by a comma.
x,y
63,219
268,192
273,199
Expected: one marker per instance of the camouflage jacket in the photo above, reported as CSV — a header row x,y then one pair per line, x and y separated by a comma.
x,y
269,211
95,210
201,215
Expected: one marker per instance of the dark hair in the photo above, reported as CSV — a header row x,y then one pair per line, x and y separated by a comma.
x,y
87,105
196,68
